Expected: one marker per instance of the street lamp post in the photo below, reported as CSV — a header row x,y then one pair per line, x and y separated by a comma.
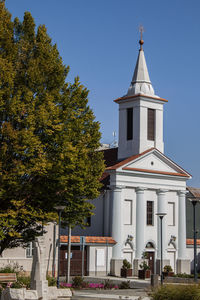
x,y
161,216
59,210
194,202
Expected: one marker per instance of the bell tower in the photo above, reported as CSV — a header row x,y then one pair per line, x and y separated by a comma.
x,y
140,113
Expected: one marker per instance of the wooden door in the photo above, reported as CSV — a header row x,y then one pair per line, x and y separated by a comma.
x,y
75,263
150,257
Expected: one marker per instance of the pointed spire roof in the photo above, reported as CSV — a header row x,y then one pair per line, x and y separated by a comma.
x,y
141,83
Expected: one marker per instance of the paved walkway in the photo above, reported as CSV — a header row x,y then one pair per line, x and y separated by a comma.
x,y
135,283
110,294
138,289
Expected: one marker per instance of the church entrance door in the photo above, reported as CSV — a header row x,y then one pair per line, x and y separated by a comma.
x,y
151,257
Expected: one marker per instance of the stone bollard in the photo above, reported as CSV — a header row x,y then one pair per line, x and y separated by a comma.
x,y
154,280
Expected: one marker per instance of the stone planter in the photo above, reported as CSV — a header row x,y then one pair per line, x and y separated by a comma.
x,y
126,273
142,274
167,274
147,273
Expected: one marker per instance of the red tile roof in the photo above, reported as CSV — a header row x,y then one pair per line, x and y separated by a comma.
x,y
111,162
104,239
191,242
113,166
135,96
88,239
125,161
155,171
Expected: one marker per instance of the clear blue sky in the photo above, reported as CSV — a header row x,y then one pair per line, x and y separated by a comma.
x,y
98,39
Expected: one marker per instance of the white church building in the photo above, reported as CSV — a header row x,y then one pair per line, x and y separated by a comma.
x,y
139,181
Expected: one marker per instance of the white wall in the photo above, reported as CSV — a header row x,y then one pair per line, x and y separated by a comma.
x,y
98,257
18,255
139,143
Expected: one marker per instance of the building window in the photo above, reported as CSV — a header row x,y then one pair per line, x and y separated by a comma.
x,y
149,245
171,214
130,123
151,124
88,221
149,212
127,212
29,250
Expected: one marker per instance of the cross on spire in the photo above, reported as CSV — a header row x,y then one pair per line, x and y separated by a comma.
x,y
141,30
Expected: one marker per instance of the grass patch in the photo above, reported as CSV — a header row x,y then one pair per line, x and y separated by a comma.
x,y
176,292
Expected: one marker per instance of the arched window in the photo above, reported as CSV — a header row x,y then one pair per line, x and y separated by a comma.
x,y
149,245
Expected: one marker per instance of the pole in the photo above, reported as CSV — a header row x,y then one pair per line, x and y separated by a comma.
x,y
106,257
54,250
161,251
68,253
195,240
59,225
82,271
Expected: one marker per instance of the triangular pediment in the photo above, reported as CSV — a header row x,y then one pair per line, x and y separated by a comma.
x,y
152,161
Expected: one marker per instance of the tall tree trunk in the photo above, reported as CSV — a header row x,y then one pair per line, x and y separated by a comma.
x,y
68,254
54,251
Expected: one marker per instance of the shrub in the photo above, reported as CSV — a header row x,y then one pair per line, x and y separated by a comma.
x,y
1,289
184,275
144,266
51,281
168,268
16,285
78,282
11,269
24,281
178,292
126,265
124,285
108,284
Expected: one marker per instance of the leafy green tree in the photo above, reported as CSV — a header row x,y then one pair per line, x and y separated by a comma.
x,y
48,135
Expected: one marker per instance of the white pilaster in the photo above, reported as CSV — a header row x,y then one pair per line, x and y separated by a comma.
x,y
183,264
140,221
106,212
181,225
159,144
162,208
143,130
117,226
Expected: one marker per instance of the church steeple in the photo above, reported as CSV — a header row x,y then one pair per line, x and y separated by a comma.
x,y
141,82
140,113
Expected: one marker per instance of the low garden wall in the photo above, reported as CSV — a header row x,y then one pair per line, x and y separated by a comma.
x,y
179,280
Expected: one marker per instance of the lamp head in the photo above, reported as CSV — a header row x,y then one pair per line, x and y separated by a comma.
x,y
161,215
59,208
194,200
